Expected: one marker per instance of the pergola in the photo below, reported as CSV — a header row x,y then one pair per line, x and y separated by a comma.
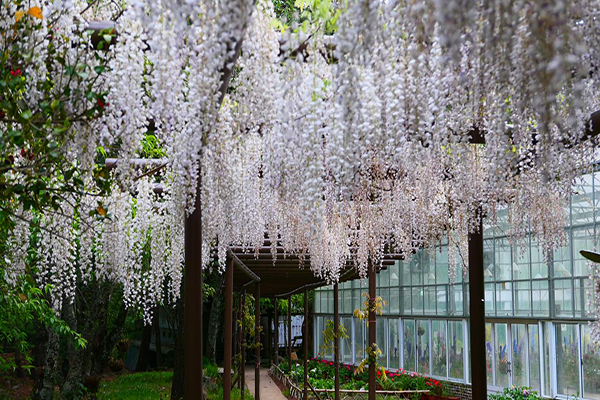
x,y
273,273
282,275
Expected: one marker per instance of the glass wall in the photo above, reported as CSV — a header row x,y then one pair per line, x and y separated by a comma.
x,y
536,310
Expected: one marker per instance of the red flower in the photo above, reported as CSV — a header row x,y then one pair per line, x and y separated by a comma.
x,y
16,72
100,103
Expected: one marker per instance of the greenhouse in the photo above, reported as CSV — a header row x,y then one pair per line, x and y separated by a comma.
x,y
537,312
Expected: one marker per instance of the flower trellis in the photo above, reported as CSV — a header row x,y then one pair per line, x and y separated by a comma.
x,y
414,117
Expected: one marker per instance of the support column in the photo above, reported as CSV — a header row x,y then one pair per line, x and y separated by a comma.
x,y
477,315
193,292
290,333
305,343
243,348
336,341
228,339
276,333
372,327
257,343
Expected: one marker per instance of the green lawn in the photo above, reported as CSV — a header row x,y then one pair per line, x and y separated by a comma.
x,y
150,386
142,386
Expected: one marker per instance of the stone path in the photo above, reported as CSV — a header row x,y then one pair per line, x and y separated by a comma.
x,y
268,388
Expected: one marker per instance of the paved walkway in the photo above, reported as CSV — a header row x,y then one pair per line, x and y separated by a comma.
x,y
268,388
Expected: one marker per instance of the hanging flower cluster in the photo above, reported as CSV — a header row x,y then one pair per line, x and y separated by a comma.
x,y
405,128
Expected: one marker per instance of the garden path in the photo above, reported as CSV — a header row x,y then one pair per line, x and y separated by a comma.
x,y
268,388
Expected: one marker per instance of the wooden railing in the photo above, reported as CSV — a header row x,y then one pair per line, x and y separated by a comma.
x,y
296,391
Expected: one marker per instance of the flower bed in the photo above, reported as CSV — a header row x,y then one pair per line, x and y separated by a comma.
x,y
321,376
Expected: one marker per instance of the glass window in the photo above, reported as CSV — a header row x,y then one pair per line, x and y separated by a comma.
x,y
591,364
404,273
546,328
319,339
394,344
522,298
394,301
395,274
567,358
429,292
519,355
503,260
489,354
441,265
504,298
317,301
563,297
381,341
456,306
383,278
442,300
409,345
562,262
406,301
417,300
385,295
488,260
520,264
346,344
540,298
359,337
438,337
456,349
539,264
423,346
583,239
534,358
582,207
501,355
489,298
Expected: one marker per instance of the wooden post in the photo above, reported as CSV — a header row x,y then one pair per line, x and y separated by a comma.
x,y
290,333
193,288
372,327
276,333
305,343
336,340
243,348
228,335
257,343
477,315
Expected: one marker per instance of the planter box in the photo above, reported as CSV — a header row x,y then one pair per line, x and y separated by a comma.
x,y
436,397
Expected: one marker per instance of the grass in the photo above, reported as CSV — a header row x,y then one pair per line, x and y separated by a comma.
x,y
138,386
150,386
235,395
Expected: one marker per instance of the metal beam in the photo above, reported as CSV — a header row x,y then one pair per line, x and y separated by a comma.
x,y
228,336
257,342
290,333
372,328
305,343
242,267
336,340
243,348
276,333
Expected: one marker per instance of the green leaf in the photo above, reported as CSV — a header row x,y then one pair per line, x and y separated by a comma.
x,y
55,103
27,114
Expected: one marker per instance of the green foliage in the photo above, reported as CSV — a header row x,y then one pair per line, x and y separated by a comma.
x,y
35,171
516,393
309,15
329,336
22,309
138,386
267,305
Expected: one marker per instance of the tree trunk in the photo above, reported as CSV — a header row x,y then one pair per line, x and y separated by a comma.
x,y
142,363
40,340
216,311
156,323
177,387
51,367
